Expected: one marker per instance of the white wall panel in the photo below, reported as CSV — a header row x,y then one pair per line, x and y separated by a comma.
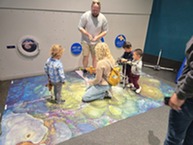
x,y
51,27
114,6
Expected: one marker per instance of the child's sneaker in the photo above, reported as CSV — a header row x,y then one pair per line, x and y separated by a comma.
x,y
138,90
59,101
133,88
130,85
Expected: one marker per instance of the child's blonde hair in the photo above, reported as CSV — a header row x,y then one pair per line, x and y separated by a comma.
x,y
102,50
56,51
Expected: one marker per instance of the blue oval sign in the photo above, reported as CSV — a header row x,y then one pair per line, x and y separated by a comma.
x,y
119,41
76,48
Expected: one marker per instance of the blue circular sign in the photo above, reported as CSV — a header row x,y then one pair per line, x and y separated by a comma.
x,y
119,41
76,48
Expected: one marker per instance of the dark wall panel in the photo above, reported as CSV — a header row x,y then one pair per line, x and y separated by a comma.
x,y
170,27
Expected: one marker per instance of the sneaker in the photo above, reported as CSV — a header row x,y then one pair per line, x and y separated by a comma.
x,y
87,101
59,102
84,71
138,90
62,101
133,88
130,85
108,95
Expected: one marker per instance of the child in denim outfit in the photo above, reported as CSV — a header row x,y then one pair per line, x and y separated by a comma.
x,y
55,72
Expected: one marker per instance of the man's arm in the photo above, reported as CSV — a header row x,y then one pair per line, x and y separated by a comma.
x,y
102,34
84,32
81,26
184,88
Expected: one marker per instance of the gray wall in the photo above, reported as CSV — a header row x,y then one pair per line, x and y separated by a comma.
x,y
56,22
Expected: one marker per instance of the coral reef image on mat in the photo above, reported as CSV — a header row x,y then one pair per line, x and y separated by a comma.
x,y
31,117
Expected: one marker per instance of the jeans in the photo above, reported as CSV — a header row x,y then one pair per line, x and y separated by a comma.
x,y
95,92
180,127
57,91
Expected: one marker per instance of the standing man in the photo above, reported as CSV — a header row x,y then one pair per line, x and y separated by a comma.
x,y
180,127
93,25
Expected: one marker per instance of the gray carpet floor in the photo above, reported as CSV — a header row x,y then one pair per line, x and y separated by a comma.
x,y
145,129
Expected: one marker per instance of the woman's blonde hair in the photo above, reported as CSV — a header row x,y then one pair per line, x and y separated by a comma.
x,y
56,51
102,51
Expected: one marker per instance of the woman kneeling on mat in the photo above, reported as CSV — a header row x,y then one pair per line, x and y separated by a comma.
x,y
99,87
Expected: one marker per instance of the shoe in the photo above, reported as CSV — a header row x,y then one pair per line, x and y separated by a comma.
x,y
87,101
108,95
59,102
62,101
130,85
138,90
84,71
121,82
133,88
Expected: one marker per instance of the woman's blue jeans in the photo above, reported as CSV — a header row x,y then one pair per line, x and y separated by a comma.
x,y
180,127
95,92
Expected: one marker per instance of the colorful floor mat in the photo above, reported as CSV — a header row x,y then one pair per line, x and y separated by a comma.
x,y
31,118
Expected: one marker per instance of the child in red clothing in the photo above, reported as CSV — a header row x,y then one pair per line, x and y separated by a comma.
x,y
136,68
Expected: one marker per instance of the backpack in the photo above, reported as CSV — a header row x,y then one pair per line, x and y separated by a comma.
x,y
114,77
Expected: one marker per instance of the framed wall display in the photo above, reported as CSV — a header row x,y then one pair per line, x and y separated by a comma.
x,y
28,46
119,40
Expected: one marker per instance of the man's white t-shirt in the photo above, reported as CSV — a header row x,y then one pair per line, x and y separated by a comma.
x,y
93,25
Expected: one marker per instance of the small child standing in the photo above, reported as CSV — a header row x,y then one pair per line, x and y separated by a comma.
x,y
55,72
127,56
136,68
